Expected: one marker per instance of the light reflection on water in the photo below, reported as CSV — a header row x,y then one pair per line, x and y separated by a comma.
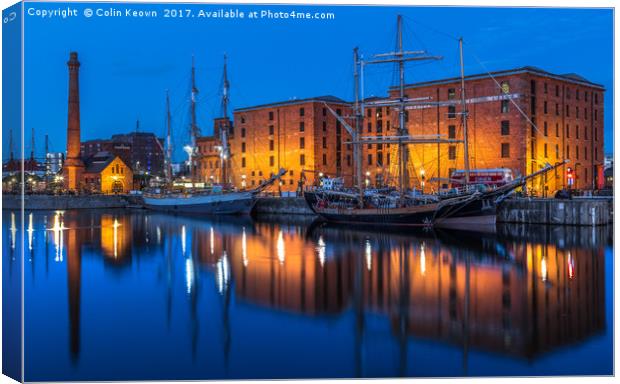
x,y
233,298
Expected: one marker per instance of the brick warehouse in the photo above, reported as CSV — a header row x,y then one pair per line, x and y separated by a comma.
x,y
301,135
298,135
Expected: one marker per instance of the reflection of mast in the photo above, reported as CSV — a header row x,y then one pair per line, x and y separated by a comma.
x,y
358,309
403,308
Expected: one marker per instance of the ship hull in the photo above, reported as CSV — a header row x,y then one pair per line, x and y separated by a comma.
x,y
236,203
459,214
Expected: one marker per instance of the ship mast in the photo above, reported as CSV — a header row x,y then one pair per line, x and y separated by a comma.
x,y
402,129
194,127
224,127
401,56
32,146
357,154
168,168
11,156
464,115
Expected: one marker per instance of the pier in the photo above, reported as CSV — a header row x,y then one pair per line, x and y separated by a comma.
x,y
579,211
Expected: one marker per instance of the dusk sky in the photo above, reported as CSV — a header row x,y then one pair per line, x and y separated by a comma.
x,y
128,63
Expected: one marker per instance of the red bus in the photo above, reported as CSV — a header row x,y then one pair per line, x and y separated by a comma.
x,y
493,177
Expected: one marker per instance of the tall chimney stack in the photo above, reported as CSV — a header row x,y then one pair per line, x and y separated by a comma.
x,y
73,167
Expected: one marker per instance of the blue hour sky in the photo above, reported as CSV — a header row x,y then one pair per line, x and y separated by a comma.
x,y
128,63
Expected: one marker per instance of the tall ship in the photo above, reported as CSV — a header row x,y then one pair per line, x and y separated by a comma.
x,y
196,197
469,204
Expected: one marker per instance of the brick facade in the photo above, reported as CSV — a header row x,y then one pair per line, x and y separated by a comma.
x,y
271,136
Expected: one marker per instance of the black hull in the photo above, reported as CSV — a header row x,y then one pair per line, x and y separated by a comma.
x,y
479,211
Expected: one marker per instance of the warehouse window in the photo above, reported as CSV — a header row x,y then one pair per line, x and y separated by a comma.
x,y
325,126
451,93
369,127
325,142
545,107
302,126
271,145
271,161
567,152
545,87
577,131
271,129
567,131
545,128
369,159
243,162
302,112
505,150
557,91
242,147
545,150
557,109
242,132
302,143
271,115
451,112
505,106
451,131
324,111
452,152
302,160
324,159
505,127
557,151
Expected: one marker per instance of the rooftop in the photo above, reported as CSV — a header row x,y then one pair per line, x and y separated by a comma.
x,y
570,77
319,99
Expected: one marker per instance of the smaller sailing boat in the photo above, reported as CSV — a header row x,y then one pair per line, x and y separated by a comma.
x,y
213,200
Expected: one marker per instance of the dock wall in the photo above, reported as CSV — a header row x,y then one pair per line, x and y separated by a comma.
x,y
45,202
282,206
555,211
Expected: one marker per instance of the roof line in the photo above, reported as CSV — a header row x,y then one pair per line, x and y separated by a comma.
x,y
506,72
318,99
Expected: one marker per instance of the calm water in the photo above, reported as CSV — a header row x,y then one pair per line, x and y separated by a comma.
x,y
139,295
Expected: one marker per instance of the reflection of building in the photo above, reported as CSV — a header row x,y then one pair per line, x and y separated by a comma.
x,y
116,235
107,173
537,298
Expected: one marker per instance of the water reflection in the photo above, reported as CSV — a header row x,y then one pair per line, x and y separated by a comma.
x,y
520,293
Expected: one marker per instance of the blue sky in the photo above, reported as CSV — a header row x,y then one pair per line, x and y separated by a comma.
x,y
127,64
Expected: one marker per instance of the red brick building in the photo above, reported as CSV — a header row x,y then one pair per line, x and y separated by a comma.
x,y
303,136
567,111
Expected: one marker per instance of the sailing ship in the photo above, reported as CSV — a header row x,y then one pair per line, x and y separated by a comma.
x,y
470,204
212,200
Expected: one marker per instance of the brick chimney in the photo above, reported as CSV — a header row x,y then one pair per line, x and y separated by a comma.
x,y
73,167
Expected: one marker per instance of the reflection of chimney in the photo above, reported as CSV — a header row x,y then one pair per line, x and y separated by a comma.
x,y
74,274
73,165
